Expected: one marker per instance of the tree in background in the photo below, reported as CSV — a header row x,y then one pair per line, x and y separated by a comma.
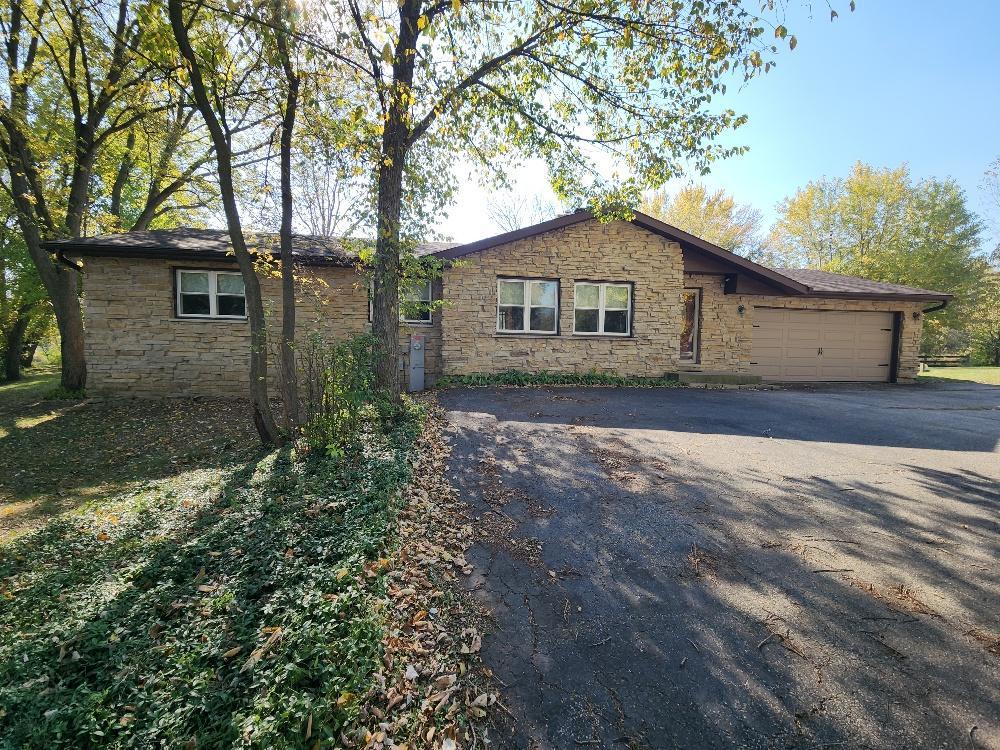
x,y
991,189
86,85
331,193
715,217
880,224
516,210
983,323
23,303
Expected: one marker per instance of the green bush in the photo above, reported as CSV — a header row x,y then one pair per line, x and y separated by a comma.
x,y
545,377
342,404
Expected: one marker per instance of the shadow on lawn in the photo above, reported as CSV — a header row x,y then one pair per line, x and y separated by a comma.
x,y
192,594
677,605
57,455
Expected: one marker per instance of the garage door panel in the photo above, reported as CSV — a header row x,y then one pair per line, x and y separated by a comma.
x,y
817,345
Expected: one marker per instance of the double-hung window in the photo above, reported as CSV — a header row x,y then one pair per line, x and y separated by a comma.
x,y
602,308
416,302
527,306
210,294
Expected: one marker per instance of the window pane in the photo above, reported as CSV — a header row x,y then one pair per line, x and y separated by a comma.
x,y
689,324
194,304
229,305
230,283
616,321
543,319
543,293
194,282
616,297
588,295
419,292
511,292
417,311
586,321
511,318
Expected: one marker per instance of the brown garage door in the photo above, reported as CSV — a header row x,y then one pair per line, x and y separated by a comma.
x,y
821,345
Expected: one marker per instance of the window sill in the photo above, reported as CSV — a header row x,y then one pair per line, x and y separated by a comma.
x,y
192,319
525,334
602,335
421,323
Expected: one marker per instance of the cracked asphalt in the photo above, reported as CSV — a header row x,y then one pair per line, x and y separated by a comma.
x,y
802,568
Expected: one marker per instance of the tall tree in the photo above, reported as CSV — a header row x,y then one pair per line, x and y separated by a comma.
x,y
571,83
282,29
713,216
881,224
81,77
225,74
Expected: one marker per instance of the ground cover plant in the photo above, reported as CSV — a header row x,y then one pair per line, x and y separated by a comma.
x,y
181,587
545,377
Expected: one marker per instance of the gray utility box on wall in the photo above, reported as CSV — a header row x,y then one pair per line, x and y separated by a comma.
x,y
415,381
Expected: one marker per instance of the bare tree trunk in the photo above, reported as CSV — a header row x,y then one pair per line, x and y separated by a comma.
x,y
60,280
28,352
262,413
15,342
385,313
395,146
289,377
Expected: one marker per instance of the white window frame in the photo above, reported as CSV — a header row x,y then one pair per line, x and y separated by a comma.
x,y
429,300
213,294
603,286
527,282
696,329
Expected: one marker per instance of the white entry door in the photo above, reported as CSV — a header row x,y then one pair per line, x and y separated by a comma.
x,y
821,345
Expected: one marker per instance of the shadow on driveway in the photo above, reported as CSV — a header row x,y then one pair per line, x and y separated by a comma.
x,y
788,568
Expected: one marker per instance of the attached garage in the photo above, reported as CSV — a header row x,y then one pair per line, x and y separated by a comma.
x,y
822,345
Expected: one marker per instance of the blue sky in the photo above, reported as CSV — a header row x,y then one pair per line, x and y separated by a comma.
x,y
915,81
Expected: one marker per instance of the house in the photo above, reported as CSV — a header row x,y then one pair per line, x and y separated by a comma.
x,y
164,311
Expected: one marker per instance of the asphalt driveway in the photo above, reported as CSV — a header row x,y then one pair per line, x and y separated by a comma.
x,y
793,568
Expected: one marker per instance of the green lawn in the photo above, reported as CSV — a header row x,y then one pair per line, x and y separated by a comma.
x,y
987,375
165,582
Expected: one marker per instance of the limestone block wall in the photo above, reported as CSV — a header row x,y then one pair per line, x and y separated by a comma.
x,y
136,345
727,336
618,251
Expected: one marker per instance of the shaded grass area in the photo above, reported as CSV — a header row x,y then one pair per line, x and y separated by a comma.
x,y
985,375
59,456
182,587
545,377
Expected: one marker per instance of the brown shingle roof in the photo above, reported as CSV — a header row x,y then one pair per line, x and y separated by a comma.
x,y
824,282
191,244
213,244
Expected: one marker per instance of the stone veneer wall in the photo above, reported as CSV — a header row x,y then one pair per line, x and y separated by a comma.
x,y
137,346
727,337
617,251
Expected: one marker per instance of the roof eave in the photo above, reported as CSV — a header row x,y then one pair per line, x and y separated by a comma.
x,y
159,253
748,266
518,234
639,219
883,296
